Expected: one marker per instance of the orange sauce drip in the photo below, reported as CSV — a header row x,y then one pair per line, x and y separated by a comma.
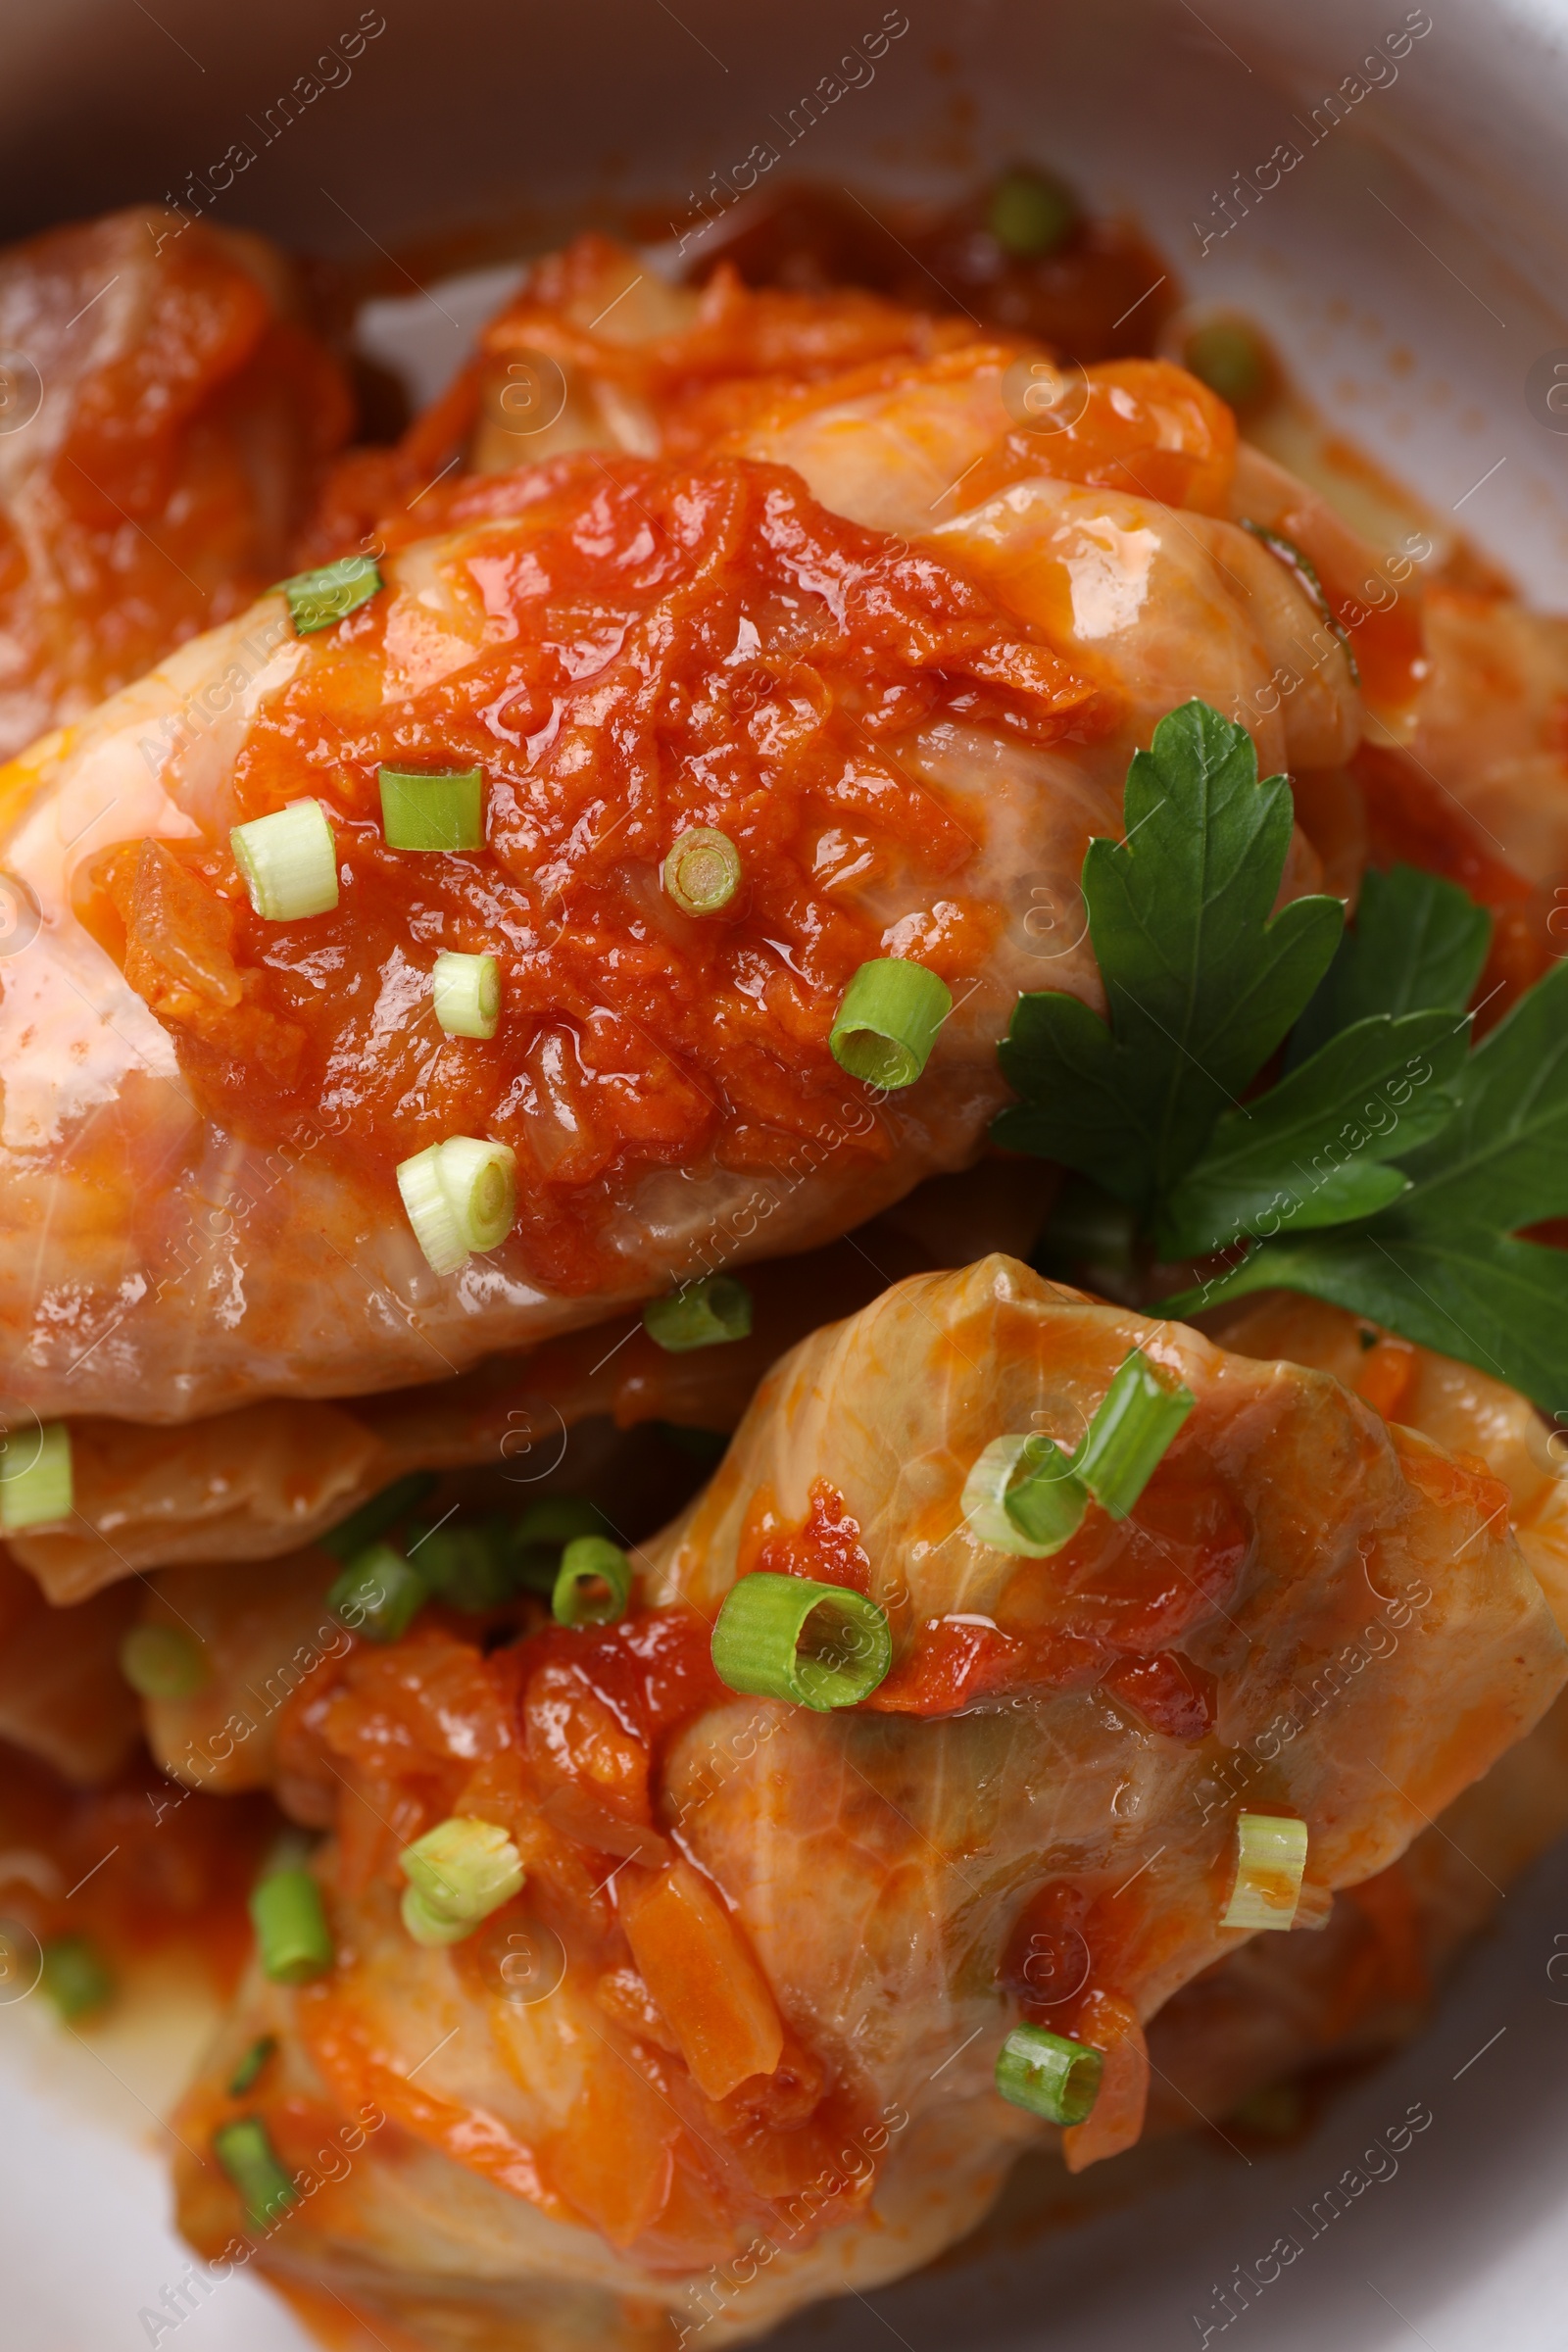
x,y
1108,1609
825,1547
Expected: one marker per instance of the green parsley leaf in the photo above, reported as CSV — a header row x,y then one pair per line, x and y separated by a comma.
x,y
1505,1161
1419,944
1201,983
1314,1150
1442,1265
1389,1171
1497,1303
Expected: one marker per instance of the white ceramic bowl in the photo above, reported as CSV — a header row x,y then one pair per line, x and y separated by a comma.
x,y
1412,265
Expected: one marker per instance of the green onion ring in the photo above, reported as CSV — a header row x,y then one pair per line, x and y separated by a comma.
x,y
1049,2075
440,810
887,1021
288,861
1131,1430
247,2155
1271,1861
38,1485
758,1641
702,870
457,1874
164,1661
705,1314
378,1593
316,599
466,994
588,1560
292,1936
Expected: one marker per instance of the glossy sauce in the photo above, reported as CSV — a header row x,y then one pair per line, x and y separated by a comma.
x,y
651,649
1145,427
826,1548
1109,1610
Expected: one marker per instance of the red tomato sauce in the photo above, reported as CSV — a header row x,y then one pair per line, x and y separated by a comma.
x,y
827,1547
652,1668
408,1735
665,648
1147,428
1107,1611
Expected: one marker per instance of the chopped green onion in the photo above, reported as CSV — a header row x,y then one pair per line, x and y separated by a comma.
x,y
1229,356
467,1565
75,1975
461,1197
378,1593
248,2157
1044,1499
164,1661
427,1927
1049,2075
1018,1499
316,599
433,809
1270,1858
543,1531
702,870
1304,572
887,1021
1031,214
465,991
586,1562
702,1315
36,1484
1133,1426
788,1637
1025,1495
292,1935
264,2049
288,861
458,1872
375,1517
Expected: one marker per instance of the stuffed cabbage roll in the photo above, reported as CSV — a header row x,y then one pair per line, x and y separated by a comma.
x,y
906,763
165,421
730,2044
904,419
907,423
1368,1981
1231,2043
266,1478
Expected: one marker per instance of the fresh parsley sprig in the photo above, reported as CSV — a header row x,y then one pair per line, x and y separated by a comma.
x,y
1201,984
1388,1169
